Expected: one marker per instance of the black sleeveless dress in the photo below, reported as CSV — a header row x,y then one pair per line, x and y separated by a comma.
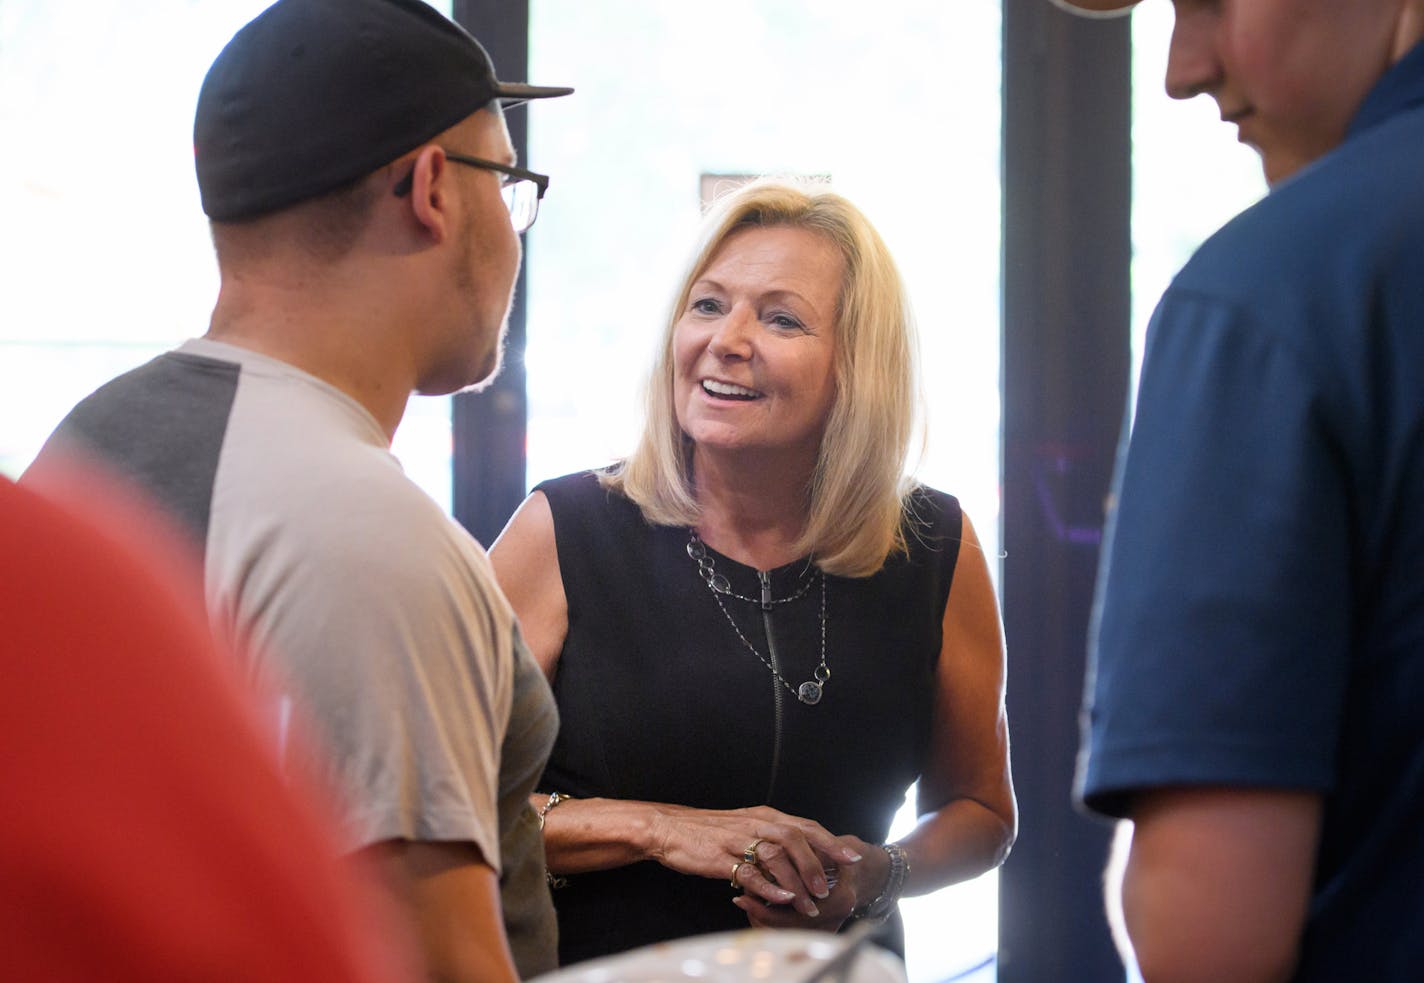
x,y
660,700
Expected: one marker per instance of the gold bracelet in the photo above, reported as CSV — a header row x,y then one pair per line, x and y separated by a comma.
x,y
554,799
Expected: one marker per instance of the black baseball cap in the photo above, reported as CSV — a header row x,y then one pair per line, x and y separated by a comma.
x,y
313,94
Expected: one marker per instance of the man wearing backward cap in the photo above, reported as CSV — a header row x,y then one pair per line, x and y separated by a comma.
x,y
1257,656
365,205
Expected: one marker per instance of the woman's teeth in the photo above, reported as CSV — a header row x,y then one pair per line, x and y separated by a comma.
x,y
716,388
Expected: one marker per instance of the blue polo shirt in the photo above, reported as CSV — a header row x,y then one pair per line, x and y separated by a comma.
x,y
1260,609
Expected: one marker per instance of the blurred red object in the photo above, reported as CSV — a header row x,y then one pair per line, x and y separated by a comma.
x,y
146,832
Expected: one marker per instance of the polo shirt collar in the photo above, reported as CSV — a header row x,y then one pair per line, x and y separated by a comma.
x,y
1399,89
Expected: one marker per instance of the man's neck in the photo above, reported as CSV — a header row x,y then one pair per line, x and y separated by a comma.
x,y
325,333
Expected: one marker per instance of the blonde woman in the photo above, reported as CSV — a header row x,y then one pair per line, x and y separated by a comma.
x,y
759,631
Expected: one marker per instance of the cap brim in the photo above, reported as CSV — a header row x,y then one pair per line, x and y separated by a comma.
x,y
517,92
1096,8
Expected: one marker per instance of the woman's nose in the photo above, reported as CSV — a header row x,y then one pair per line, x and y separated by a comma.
x,y
733,337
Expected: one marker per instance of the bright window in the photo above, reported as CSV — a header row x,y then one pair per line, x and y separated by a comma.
x,y
105,259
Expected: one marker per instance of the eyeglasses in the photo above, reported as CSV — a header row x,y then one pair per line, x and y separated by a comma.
x,y
522,190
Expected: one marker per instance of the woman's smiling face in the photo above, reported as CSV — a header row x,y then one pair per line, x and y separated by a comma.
x,y
753,350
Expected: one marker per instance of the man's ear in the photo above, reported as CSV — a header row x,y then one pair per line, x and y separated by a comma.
x,y
430,197
1410,29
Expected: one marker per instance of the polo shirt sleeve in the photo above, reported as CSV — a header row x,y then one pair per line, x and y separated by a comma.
x,y
1223,613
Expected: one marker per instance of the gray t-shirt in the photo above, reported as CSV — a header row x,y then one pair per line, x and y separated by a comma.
x,y
350,593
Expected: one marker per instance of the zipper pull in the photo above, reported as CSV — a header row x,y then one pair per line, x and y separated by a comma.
x,y
765,589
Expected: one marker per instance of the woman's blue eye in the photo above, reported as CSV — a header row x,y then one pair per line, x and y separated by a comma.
x,y
785,321
705,306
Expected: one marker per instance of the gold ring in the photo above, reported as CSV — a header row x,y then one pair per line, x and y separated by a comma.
x,y
736,869
749,854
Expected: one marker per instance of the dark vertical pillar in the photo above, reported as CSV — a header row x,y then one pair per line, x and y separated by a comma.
x,y
490,427
1067,251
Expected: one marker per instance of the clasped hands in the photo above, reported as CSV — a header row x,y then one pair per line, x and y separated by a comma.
x,y
778,861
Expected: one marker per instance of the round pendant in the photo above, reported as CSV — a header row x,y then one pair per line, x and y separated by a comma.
x,y
809,693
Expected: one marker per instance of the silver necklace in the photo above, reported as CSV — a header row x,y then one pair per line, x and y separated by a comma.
x,y
811,690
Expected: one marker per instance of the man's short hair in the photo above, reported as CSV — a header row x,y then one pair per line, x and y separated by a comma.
x,y
324,228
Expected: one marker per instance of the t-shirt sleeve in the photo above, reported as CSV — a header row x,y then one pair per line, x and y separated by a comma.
x,y
1224,602
395,645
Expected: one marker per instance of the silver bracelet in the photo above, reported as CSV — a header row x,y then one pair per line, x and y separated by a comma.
x,y
554,880
554,799
880,909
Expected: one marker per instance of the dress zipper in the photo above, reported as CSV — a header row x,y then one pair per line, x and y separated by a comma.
x,y
776,688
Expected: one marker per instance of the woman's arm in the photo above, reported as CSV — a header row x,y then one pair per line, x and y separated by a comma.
x,y
598,834
968,817
525,558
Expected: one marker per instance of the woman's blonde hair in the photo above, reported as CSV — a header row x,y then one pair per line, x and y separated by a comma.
x,y
855,519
